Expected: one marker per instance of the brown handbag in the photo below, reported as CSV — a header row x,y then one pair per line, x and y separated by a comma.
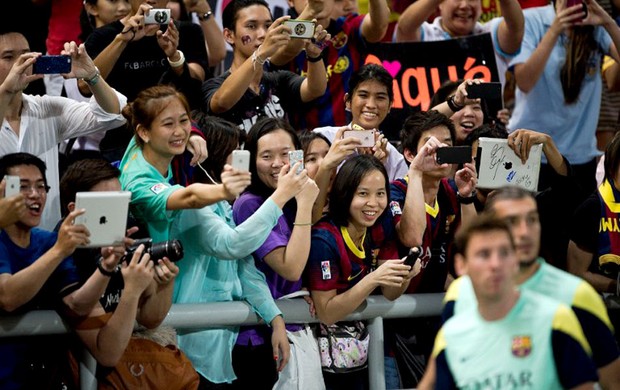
x,y
148,365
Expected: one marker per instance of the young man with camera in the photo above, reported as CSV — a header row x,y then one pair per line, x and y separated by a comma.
x,y
246,91
140,287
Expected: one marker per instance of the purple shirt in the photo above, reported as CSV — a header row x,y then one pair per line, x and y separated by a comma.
x,y
243,208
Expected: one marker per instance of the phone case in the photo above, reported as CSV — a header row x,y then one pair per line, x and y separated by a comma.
x,y
300,28
295,156
52,65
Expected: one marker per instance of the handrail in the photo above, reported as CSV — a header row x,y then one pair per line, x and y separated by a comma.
x,y
214,314
204,315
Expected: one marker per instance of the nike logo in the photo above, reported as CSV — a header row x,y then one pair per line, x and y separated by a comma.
x,y
350,278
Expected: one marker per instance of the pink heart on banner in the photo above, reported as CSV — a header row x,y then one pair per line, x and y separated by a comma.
x,y
393,67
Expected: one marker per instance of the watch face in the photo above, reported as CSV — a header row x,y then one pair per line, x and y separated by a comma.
x,y
205,16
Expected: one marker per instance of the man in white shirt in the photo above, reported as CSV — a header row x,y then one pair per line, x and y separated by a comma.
x,y
36,124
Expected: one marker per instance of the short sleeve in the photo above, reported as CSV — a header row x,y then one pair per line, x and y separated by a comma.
x,y
571,351
583,229
322,271
209,87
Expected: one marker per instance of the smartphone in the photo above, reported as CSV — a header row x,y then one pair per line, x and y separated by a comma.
x,y
295,156
454,155
12,186
486,91
241,160
157,16
366,136
570,3
413,256
52,65
300,28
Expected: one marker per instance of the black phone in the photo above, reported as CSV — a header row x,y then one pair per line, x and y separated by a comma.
x,y
453,155
413,256
486,91
52,65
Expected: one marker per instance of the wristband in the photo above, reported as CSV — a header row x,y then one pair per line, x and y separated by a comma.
x,y
466,200
302,224
206,16
314,59
92,81
176,64
452,104
104,271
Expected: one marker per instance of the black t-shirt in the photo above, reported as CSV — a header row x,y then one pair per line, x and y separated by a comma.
x,y
584,225
280,93
143,63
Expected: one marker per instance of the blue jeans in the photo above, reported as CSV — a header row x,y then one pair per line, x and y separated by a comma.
x,y
392,377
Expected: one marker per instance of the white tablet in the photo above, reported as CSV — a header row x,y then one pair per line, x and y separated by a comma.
x,y
105,216
500,166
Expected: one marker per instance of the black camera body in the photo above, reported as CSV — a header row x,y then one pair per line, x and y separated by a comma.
x,y
172,249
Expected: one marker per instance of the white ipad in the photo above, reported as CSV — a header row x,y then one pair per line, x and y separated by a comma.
x,y
500,166
105,216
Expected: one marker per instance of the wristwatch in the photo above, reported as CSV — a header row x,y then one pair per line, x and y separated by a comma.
x,y
205,16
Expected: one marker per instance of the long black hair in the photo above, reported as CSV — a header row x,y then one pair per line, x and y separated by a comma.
x,y
346,182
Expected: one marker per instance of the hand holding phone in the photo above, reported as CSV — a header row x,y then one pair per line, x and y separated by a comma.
x,y
486,91
413,256
366,137
301,29
241,160
52,65
453,155
296,156
12,186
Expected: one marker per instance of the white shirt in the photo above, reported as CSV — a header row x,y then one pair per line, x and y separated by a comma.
x,y
46,121
395,164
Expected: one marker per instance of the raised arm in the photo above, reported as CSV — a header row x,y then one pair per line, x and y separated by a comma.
x,y
315,84
410,21
510,30
198,195
339,150
375,22
214,39
290,261
83,68
235,85
522,140
528,72
133,30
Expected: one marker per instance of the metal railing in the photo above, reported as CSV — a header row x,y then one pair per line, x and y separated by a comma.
x,y
208,315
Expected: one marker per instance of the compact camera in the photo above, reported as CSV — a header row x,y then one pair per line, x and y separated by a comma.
x,y
172,249
157,16
300,28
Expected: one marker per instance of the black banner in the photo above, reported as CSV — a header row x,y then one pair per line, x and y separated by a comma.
x,y
420,68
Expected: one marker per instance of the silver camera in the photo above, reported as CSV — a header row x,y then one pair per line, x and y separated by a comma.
x,y
157,16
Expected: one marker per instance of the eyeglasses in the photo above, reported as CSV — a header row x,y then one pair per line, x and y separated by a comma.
x,y
39,188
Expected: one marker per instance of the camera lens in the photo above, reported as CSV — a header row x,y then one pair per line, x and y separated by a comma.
x,y
172,249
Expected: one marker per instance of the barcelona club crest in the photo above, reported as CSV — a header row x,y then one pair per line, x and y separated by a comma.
x,y
521,346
